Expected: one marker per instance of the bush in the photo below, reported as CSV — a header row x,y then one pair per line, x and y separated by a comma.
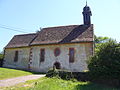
x,y
1,56
1,60
52,73
81,76
63,74
67,75
105,64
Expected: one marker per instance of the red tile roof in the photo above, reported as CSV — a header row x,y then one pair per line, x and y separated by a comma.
x,y
54,35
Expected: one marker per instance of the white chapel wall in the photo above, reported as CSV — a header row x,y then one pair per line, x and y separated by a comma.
x,y
23,58
82,53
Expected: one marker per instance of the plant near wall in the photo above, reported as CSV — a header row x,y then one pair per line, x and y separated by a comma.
x,y
1,59
63,74
99,40
105,64
1,56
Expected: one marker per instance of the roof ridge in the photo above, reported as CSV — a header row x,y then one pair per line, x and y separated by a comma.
x,y
26,34
60,26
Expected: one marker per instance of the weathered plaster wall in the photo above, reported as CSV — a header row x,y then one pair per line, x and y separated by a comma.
x,y
82,53
23,58
32,54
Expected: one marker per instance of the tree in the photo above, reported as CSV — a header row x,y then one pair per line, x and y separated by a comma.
x,y
100,40
1,55
105,64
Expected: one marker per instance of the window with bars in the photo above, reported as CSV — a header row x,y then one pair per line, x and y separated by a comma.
x,y
16,56
42,55
71,55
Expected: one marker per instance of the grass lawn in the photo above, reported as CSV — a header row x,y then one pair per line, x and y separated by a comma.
x,y
57,84
9,73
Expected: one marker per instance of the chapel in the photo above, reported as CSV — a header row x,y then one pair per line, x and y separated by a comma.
x,y
65,47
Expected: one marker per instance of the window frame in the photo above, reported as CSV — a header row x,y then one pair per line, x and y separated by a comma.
x,y
71,55
42,55
16,56
57,52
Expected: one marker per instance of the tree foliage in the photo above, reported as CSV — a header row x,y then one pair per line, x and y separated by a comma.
x,y
1,56
100,40
105,64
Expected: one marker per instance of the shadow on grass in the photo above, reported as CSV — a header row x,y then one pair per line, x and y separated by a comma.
x,y
92,86
36,72
32,71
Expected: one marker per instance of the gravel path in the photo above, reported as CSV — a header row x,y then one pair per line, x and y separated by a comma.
x,y
17,80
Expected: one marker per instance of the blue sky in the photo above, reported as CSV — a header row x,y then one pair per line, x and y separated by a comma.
x,y
30,15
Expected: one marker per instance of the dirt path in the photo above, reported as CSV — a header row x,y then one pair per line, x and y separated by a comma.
x,y
17,80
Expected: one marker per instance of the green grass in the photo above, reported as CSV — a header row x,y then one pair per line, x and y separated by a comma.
x,y
9,73
57,84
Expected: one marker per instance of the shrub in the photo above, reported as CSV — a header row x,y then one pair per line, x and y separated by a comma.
x,y
63,74
66,75
1,56
1,59
105,64
52,73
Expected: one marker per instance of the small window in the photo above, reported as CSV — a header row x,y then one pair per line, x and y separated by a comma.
x,y
16,56
42,55
57,52
71,55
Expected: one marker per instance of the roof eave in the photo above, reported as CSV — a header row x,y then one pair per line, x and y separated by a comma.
x,y
50,44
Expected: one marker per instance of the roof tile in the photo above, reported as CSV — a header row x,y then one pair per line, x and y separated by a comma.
x,y
54,35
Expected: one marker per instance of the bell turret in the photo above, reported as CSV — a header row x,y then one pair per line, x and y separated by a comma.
x,y
86,15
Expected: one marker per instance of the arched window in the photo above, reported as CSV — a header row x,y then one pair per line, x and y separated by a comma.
x,y
57,65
